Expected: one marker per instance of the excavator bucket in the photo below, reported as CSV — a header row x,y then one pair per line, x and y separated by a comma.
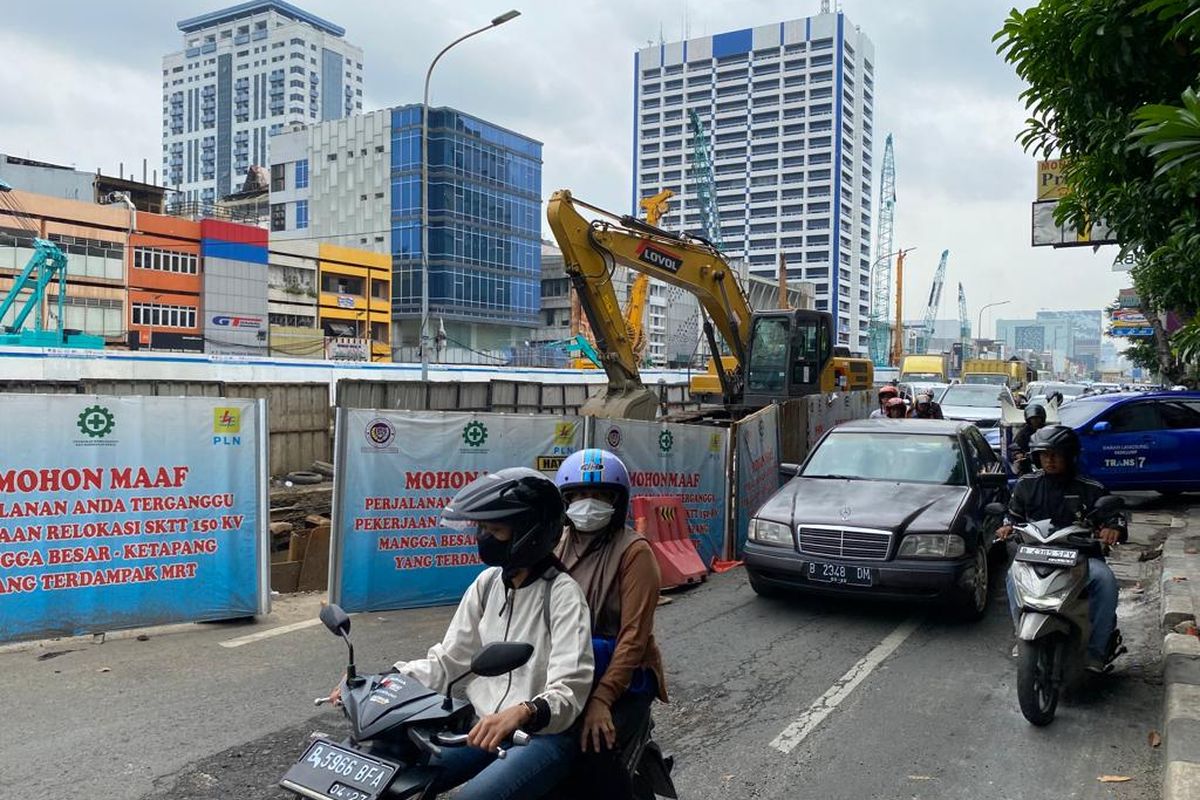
x,y
634,403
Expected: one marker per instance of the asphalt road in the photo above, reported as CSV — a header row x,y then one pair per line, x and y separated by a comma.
x,y
911,705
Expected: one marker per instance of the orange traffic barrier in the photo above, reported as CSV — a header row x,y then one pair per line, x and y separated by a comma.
x,y
663,521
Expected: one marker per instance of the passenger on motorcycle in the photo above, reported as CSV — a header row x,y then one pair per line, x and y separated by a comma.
x,y
516,516
1035,420
1043,495
895,408
886,393
926,407
620,577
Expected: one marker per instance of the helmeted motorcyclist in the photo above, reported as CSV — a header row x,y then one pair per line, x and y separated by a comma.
x,y
886,393
1044,495
896,408
620,578
926,407
1035,420
516,516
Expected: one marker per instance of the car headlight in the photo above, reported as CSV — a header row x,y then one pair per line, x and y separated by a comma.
x,y
932,545
764,531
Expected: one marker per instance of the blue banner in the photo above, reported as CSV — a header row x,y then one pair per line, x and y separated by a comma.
x,y
395,472
119,512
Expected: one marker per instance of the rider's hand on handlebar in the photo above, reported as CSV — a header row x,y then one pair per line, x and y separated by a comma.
x,y
1109,536
1003,532
494,729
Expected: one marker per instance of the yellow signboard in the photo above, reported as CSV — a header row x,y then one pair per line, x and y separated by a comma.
x,y
1050,184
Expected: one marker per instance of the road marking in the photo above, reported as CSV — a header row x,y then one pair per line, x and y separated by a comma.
x,y
269,632
795,733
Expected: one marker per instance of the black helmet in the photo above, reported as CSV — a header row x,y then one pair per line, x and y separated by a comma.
x,y
1035,410
1055,437
518,496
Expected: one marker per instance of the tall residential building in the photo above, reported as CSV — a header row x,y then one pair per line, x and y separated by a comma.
x,y
245,74
788,112
357,182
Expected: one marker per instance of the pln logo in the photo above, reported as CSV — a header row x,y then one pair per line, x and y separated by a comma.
x,y
227,426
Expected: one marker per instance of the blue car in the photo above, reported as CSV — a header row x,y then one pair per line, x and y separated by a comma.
x,y
1137,441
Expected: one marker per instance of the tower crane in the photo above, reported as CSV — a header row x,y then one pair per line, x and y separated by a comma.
x,y
964,323
706,185
931,308
881,278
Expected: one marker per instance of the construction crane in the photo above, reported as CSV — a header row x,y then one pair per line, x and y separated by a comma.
x,y
881,278
925,338
964,323
706,185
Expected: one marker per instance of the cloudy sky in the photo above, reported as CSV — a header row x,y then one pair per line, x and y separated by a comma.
x,y
88,93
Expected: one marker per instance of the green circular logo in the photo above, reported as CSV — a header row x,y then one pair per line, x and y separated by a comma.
x,y
665,441
475,433
96,422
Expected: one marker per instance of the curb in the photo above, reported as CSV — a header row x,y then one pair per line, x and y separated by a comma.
x,y
1181,671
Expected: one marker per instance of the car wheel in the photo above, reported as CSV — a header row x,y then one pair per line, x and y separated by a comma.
x,y
971,600
761,588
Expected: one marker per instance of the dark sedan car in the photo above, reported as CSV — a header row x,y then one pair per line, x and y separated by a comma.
x,y
884,508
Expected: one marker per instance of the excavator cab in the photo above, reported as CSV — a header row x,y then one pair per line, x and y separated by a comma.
x,y
789,351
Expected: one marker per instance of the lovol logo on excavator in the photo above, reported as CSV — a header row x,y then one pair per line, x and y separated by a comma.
x,y
659,258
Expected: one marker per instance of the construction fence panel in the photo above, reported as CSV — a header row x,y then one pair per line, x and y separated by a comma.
x,y
691,461
135,511
395,471
40,387
755,467
299,422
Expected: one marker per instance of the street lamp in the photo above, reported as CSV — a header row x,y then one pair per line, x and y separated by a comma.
x,y
984,308
500,20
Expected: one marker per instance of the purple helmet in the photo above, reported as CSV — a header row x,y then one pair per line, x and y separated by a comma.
x,y
596,469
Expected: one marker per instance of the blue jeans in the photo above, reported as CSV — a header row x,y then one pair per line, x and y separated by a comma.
x,y
1102,605
526,773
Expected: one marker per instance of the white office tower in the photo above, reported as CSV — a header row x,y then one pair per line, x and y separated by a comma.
x,y
787,110
246,73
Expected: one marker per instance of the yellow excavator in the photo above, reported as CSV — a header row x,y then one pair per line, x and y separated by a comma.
x,y
780,353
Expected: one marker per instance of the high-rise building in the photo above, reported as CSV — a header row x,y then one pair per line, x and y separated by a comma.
x,y
357,182
246,73
788,111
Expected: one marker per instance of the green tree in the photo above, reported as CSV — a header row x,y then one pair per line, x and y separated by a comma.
x,y
1091,66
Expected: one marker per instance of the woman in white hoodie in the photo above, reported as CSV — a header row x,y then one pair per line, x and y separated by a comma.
x,y
517,517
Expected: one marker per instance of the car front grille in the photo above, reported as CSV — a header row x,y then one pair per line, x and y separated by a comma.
x,y
866,544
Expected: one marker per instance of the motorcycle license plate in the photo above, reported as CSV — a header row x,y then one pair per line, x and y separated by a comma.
x,y
329,771
1049,556
840,574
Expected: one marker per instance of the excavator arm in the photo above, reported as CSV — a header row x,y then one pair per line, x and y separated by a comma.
x,y
592,248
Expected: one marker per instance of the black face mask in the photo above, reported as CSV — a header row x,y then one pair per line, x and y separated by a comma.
x,y
492,551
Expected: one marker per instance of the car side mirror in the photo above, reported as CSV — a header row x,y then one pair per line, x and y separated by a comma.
x,y
992,480
995,509
789,470
1101,427
335,619
501,658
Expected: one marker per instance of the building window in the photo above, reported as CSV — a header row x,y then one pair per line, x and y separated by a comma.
x,y
278,217
301,173
165,261
158,315
301,214
277,177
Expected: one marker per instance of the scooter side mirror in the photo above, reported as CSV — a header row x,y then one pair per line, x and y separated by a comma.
x,y
995,509
500,658
335,619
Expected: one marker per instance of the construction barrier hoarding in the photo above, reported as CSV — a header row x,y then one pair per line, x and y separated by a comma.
x,y
756,467
691,461
119,512
826,411
395,471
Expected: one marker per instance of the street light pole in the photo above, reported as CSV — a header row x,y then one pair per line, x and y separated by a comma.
x,y
500,20
984,308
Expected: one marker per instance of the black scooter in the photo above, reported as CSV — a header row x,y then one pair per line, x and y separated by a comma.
x,y
398,724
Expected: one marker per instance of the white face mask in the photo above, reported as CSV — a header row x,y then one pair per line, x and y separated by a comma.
x,y
589,515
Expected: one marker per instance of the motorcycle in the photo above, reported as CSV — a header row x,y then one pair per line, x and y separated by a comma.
x,y
1050,572
398,725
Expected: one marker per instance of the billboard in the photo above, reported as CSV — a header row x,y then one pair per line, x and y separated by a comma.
x,y
1048,233
1050,184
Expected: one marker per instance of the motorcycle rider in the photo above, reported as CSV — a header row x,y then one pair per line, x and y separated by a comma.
x,y
620,577
1043,495
1035,420
896,408
516,515
926,407
886,393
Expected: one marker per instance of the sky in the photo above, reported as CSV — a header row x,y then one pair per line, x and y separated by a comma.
x,y
87,91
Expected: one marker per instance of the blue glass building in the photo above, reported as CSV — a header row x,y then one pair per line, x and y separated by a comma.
x,y
485,187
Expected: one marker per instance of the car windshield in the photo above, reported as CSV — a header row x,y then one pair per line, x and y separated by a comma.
x,y
1067,389
988,379
903,457
1077,414
973,395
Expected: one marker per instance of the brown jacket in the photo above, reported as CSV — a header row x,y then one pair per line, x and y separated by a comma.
x,y
621,582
